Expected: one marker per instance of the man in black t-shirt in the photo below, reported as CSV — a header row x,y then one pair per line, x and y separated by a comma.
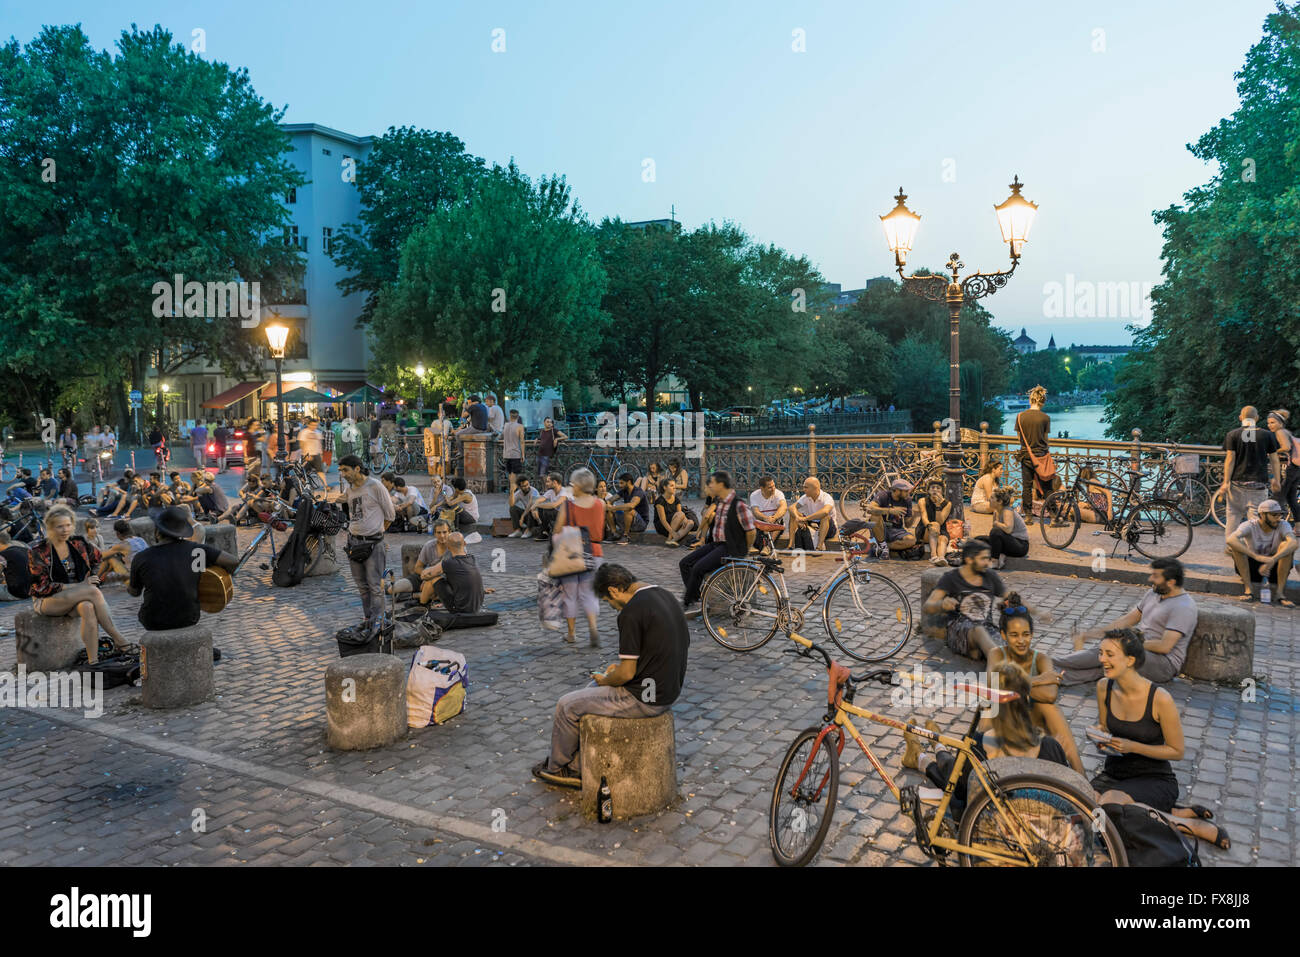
x,y
478,418
651,670
969,595
456,579
632,512
1250,468
168,573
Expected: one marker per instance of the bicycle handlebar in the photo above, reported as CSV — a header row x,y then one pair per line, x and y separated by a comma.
x,y
883,675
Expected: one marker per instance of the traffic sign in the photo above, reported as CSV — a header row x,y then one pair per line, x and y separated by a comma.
x,y
135,395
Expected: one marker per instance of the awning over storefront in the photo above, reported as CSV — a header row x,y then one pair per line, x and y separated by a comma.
x,y
231,396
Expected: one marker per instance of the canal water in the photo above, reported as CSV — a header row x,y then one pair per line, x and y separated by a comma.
x,y
1081,421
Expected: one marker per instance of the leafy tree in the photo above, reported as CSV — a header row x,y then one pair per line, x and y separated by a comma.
x,y
1100,376
1046,367
120,171
408,174
1225,328
501,290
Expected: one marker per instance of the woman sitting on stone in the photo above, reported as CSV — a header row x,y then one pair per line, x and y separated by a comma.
x,y
981,497
64,581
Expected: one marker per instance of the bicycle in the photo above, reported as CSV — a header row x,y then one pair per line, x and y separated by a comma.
x,y
292,477
1026,819
867,616
1156,528
1174,480
614,467
902,461
272,522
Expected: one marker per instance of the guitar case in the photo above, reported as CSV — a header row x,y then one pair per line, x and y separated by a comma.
x,y
291,563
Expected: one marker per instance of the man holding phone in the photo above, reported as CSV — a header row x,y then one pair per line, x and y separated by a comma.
x,y
647,679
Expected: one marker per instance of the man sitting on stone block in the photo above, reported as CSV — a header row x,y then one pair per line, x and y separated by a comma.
x,y
168,573
1166,616
422,579
652,645
456,579
1264,548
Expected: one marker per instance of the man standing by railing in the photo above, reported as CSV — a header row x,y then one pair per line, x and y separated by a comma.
x,y
1250,468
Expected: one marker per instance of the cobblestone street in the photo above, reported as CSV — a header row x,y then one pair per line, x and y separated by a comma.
x,y
252,767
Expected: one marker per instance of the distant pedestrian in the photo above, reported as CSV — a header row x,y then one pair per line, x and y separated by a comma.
x,y
1250,468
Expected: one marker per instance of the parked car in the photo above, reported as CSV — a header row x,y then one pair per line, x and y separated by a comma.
x,y
234,450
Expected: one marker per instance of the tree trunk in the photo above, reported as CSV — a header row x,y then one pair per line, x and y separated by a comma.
x,y
694,395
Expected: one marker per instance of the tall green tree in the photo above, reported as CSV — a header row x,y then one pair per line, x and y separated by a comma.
x,y
502,290
118,172
1225,328
408,174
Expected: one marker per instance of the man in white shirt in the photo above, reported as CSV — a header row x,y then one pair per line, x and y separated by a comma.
x,y
496,415
311,445
407,500
768,504
522,513
813,510
370,511
547,507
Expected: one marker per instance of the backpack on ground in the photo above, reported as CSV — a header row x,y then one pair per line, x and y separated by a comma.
x,y
803,538
1150,840
435,687
447,620
117,670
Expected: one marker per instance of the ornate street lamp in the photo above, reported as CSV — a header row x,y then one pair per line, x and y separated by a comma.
x,y
276,336
1015,218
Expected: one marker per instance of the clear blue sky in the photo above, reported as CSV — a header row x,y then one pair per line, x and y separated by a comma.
x,y
804,150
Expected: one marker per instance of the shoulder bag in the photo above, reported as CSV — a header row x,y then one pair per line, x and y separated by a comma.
x,y
1045,467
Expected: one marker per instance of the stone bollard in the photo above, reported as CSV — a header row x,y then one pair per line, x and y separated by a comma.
x,y
636,756
410,552
146,529
47,644
176,667
932,626
365,702
1222,647
222,536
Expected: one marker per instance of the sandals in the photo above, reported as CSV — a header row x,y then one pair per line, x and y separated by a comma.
x,y
1200,810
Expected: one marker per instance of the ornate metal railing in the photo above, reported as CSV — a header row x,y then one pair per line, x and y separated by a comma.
x,y
839,460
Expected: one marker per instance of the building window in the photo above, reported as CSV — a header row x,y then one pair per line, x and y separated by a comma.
x,y
291,197
327,240
325,152
291,235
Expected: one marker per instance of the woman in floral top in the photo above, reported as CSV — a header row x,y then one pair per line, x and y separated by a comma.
x,y
64,581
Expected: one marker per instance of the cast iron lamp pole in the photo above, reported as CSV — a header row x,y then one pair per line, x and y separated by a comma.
x,y
1015,217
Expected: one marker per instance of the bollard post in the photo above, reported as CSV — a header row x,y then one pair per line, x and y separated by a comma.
x,y
1136,465
938,435
812,449
984,446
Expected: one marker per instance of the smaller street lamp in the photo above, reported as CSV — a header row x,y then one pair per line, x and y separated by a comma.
x,y
276,337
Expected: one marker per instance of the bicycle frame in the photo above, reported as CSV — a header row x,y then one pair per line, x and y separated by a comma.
x,y
964,747
783,589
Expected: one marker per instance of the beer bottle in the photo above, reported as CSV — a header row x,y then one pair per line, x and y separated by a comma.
x,y
604,803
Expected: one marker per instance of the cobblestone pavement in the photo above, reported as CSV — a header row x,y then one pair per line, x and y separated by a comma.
x,y
133,786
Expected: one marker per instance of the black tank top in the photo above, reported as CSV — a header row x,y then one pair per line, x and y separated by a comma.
x,y
1146,730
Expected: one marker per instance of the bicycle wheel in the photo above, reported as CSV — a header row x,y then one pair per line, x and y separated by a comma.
x,y
803,802
1159,529
1060,520
868,616
1219,508
1059,819
741,607
854,499
1190,494
402,462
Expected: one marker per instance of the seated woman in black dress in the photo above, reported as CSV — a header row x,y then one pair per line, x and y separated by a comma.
x,y
1147,734
671,519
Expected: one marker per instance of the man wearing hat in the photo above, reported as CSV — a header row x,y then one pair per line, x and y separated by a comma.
x,y
1263,548
168,573
891,514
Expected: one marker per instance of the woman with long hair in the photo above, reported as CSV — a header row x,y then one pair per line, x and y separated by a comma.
x,y
671,520
1017,627
64,581
1008,534
981,496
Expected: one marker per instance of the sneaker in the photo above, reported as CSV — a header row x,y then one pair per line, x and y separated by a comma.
x,y
564,778
515,534
473,538
527,534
